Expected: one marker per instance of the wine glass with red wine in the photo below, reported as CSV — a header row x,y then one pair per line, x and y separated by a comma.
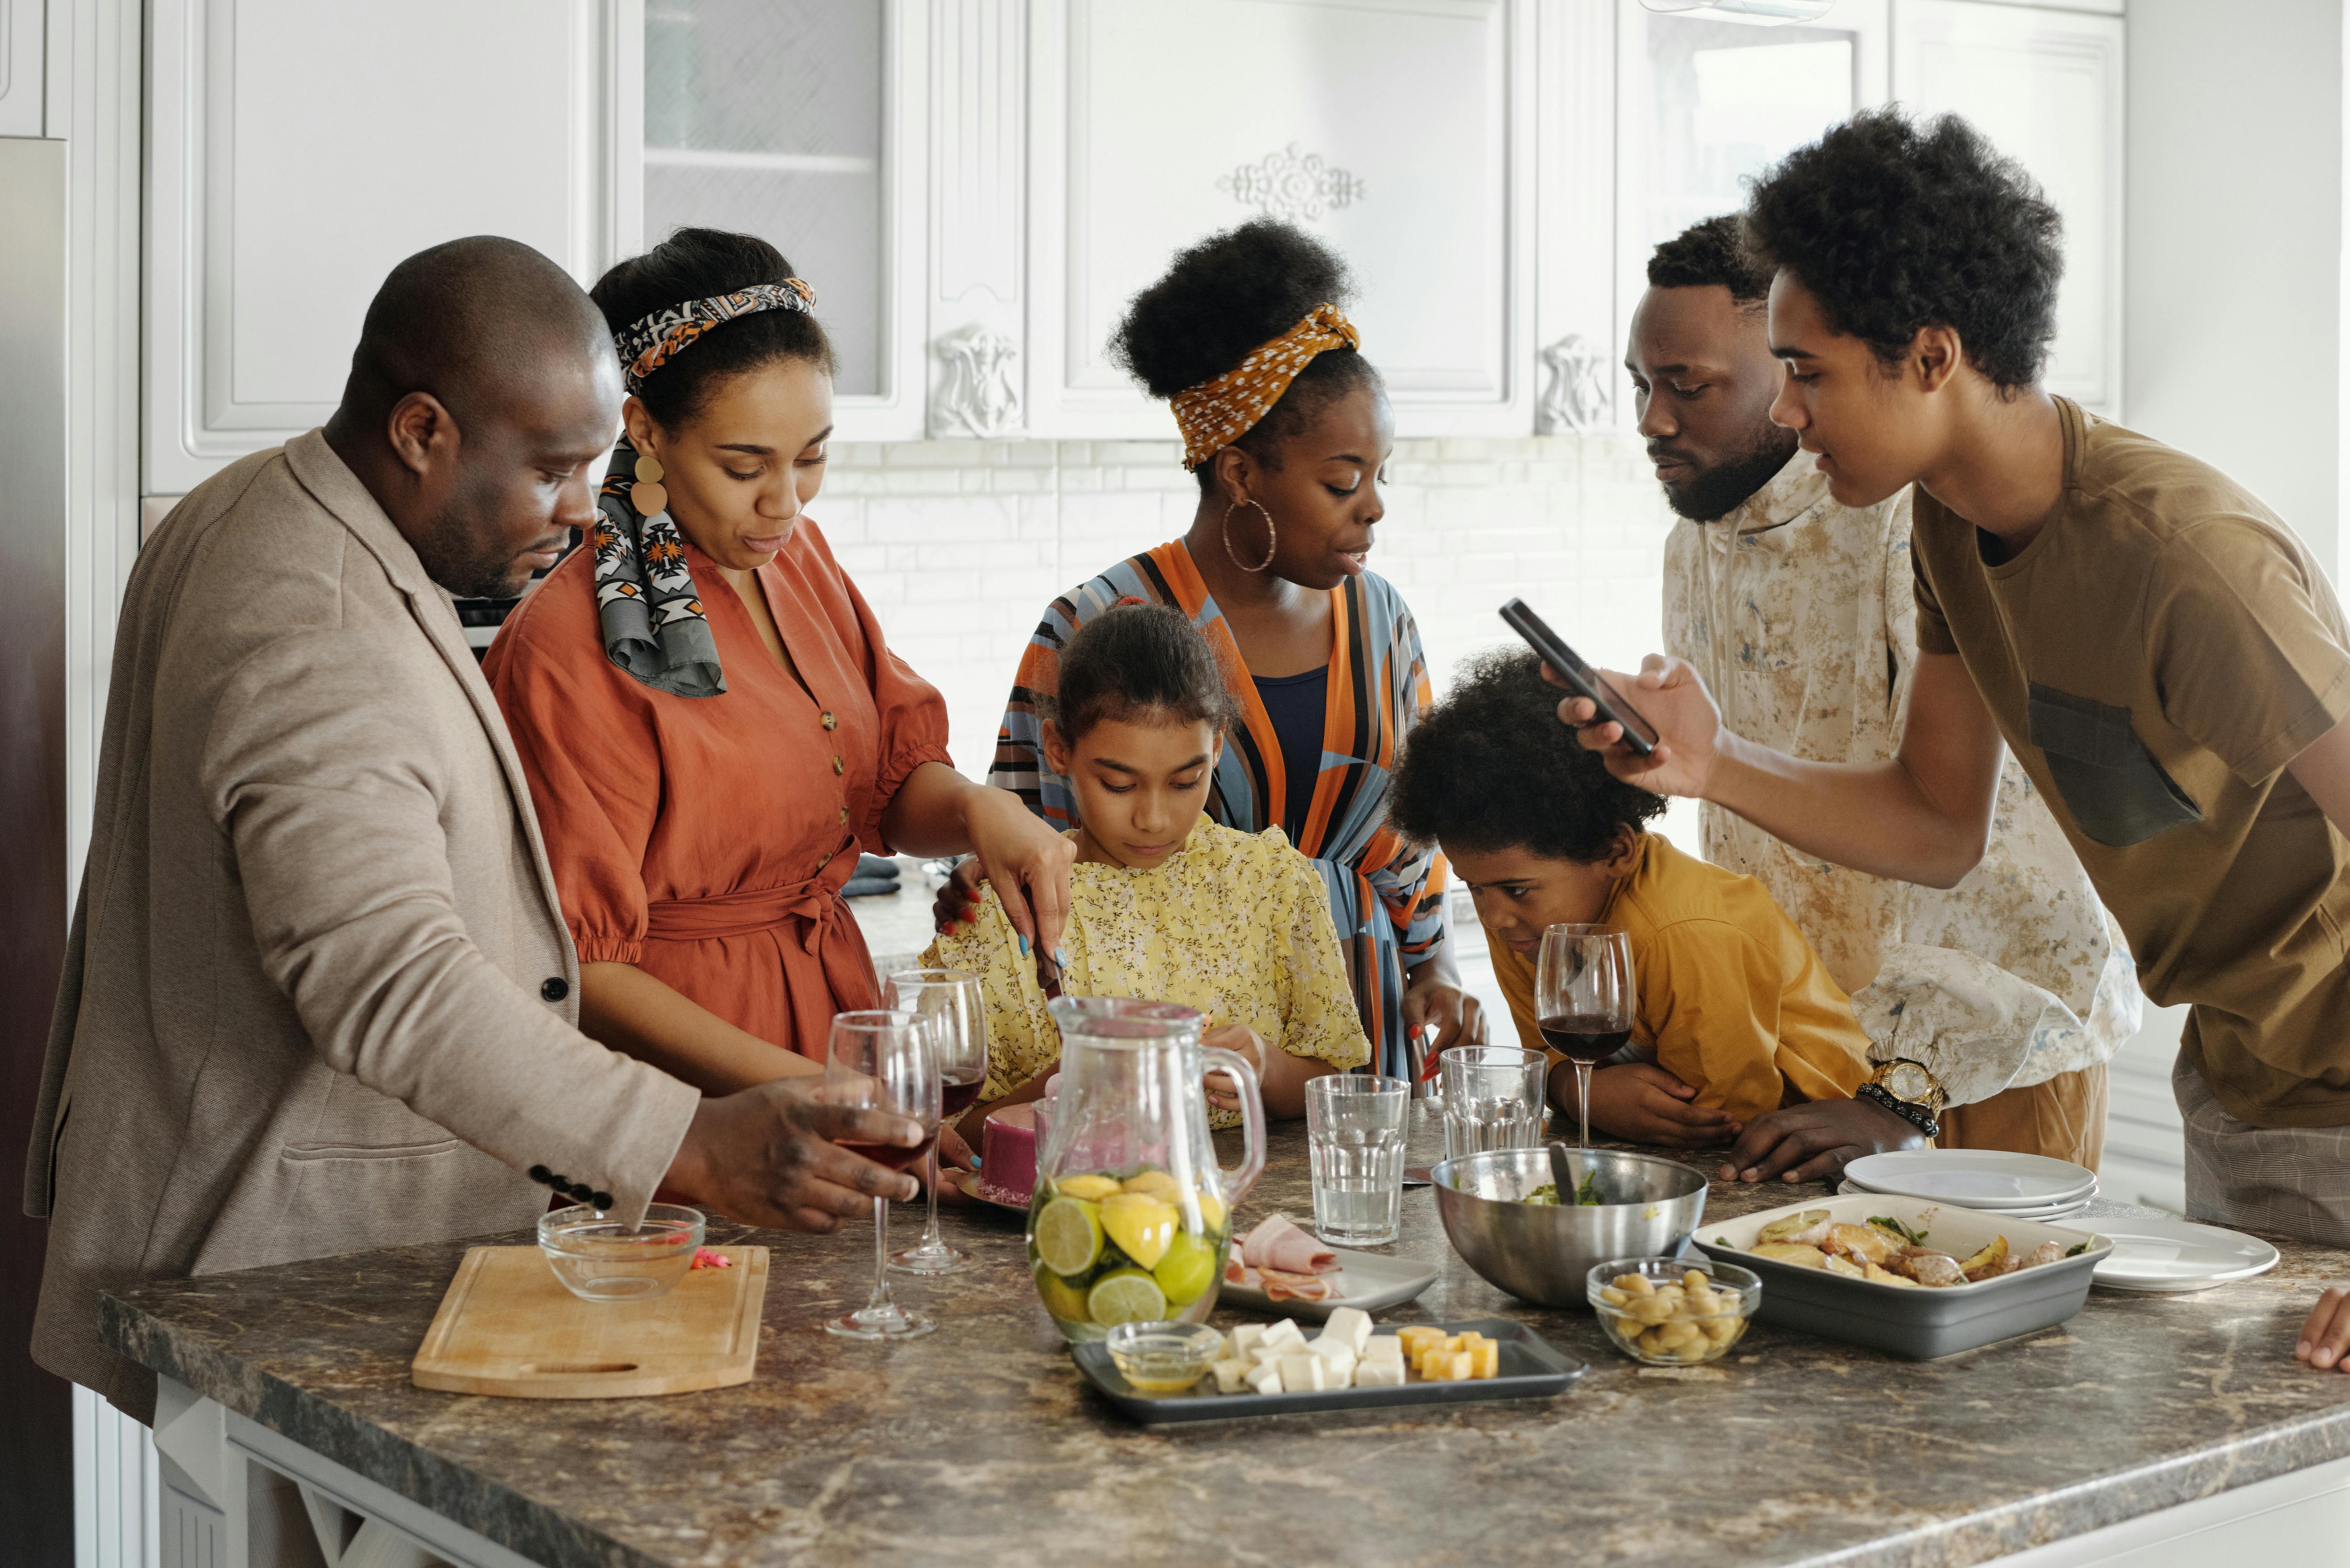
x,y
883,1060
949,1001
1583,1003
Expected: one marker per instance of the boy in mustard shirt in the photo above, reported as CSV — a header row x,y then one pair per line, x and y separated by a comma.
x,y
1736,1014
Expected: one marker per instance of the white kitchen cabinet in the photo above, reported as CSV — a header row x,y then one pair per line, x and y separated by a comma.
x,y
24,67
1401,131
2045,86
298,151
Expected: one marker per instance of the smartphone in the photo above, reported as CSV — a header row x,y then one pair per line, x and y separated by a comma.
x,y
1639,735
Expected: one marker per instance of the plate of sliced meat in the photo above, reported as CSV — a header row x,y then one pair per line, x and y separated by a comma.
x,y
1282,1269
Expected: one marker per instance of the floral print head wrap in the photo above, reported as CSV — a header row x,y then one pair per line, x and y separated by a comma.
x,y
1214,414
646,346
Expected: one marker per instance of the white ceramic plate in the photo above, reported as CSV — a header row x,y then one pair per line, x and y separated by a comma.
x,y
1986,1178
1367,1279
2049,1213
2161,1256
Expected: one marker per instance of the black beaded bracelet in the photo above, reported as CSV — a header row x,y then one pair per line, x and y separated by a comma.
x,y
1916,1115
578,1192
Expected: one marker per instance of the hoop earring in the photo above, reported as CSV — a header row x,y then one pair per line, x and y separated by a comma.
x,y
1243,565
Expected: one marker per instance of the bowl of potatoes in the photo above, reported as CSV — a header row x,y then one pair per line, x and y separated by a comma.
x,y
1673,1311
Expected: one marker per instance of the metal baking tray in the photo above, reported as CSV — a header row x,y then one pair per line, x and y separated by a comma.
x,y
1531,1367
1921,1324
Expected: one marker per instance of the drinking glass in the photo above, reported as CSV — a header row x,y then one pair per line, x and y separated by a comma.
x,y
1492,1097
882,1061
1582,1002
1355,1135
947,1001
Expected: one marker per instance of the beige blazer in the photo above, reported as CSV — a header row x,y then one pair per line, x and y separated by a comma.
x,y
318,995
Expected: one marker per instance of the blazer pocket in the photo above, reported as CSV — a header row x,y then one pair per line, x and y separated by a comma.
x,y
2110,782
315,1151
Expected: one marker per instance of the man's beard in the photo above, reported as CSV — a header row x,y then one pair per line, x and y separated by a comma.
x,y
1716,491
459,554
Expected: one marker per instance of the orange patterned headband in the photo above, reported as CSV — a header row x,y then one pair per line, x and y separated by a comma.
x,y
1214,414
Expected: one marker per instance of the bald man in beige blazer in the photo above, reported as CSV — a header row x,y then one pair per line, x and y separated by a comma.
x,y
318,995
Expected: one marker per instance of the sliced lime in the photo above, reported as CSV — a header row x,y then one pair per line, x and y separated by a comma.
x,y
1068,1235
1188,1268
1126,1295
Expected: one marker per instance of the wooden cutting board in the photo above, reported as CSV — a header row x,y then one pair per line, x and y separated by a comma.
x,y
507,1326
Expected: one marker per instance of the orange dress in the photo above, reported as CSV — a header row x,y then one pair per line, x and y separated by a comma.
x,y
705,839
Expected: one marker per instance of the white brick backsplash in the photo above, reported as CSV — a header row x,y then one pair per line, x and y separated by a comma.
x,y
958,545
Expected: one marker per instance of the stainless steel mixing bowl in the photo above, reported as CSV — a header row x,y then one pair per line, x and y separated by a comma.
x,y
1542,1253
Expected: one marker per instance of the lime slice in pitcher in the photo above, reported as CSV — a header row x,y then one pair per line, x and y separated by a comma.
x,y
1068,1235
1126,1295
1188,1268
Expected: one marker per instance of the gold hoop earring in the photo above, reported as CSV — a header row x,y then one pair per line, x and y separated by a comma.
x,y
646,495
1243,565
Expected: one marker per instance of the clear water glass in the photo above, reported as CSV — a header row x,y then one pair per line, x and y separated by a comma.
x,y
1355,1129
1492,1098
951,1004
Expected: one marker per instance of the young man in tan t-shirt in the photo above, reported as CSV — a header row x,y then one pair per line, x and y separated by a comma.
x,y
2163,656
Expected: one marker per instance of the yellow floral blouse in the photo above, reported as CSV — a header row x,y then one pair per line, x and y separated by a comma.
x,y
1235,924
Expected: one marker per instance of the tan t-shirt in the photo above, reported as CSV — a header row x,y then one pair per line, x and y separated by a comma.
x,y
2155,657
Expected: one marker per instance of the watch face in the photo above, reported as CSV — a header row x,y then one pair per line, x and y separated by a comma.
x,y
1908,1081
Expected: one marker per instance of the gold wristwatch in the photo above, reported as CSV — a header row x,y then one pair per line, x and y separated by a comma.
x,y
1909,1090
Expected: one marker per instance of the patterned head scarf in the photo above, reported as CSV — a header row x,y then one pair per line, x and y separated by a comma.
x,y
651,342
649,611
1214,414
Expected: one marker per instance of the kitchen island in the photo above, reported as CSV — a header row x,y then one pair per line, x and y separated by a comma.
x,y
978,1445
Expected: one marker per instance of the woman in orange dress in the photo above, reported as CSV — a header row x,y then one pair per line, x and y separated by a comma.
x,y
710,719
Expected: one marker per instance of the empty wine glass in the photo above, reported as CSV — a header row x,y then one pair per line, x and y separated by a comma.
x,y
1583,1003
882,1061
947,1001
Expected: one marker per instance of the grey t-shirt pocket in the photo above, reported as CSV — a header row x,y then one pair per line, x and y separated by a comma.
x,y
2116,790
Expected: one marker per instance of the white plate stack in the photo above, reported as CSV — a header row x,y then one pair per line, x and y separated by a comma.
x,y
2021,1186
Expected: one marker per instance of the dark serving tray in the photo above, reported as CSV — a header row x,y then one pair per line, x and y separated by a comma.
x,y
1531,1369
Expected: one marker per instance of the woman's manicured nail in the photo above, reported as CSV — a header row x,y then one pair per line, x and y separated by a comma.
x,y
1061,957
1023,947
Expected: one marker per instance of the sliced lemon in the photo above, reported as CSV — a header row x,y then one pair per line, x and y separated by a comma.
x,y
1126,1295
1065,1301
1092,1189
1141,1225
1186,1270
1211,1211
1068,1235
1157,1183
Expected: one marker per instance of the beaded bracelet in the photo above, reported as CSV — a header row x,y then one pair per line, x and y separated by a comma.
x,y
1908,1111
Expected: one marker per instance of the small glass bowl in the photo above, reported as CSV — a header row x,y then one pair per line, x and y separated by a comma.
x,y
1661,1326
1162,1357
599,1259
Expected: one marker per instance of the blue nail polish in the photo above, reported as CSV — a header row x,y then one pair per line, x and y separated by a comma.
x,y
1061,957
1023,947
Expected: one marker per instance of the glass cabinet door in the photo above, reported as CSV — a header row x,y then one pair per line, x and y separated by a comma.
x,y
767,117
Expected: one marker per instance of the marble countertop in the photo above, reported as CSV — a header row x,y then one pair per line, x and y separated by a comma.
x,y
980,1445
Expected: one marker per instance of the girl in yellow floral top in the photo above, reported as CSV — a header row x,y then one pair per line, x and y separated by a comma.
x,y
1165,903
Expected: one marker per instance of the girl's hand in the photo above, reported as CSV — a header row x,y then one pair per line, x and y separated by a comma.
x,y
1435,1002
1639,1102
1024,861
957,904
1224,1094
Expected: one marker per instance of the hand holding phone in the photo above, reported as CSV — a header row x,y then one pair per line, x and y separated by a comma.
x,y
1639,735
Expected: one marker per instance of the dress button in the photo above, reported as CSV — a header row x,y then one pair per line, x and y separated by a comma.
x,y
830,721
555,988
838,766
844,813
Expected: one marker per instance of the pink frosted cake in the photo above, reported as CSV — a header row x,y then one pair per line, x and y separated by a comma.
x,y
1007,1154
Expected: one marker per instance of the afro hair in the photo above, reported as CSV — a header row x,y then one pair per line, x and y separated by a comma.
x,y
1709,253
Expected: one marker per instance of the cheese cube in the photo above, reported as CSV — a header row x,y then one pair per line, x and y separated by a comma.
x,y
1485,1358
1304,1373
1412,1335
1352,1325
1245,1338
1268,1354
1450,1366
1378,1372
1266,1378
1341,1361
1231,1376
1383,1347
1285,1332
1332,1345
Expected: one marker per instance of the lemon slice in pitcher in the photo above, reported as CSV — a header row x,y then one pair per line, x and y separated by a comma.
x,y
1090,1188
1068,1235
1141,1225
1186,1270
1126,1295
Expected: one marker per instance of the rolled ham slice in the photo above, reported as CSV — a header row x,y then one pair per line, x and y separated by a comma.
x,y
1278,1244
1285,1287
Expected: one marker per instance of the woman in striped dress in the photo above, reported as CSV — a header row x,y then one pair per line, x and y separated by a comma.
x,y
1287,428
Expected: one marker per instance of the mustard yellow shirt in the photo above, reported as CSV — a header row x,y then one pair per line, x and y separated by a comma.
x,y
1731,999
1235,924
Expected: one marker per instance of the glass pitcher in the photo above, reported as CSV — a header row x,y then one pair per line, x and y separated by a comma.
x,y
1132,1216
